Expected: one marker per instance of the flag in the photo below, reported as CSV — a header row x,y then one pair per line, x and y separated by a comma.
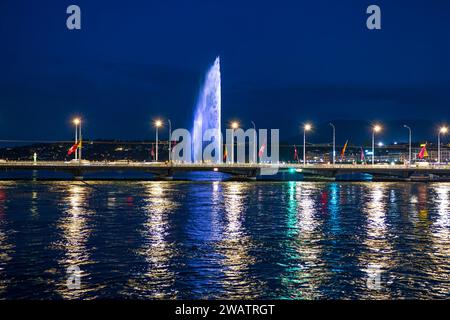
x,y
343,149
152,152
225,154
295,153
261,150
73,148
362,154
423,152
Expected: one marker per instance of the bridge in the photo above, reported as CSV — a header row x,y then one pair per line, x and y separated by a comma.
x,y
242,170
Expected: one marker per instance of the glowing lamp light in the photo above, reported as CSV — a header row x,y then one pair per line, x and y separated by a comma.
x,y
76,121
234,125
308,126
216,169
158,123
377,128
443,130
292,170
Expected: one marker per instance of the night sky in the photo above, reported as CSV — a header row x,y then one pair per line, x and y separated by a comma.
x,y
283,62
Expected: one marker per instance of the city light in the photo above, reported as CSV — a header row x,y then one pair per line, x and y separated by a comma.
x,y
377,128
234,125
308,126
443,130
158,123
76,121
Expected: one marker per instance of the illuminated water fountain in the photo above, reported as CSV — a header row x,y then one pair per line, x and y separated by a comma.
x,y
207,112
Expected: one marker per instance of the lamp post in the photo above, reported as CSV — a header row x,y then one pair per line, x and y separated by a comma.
x,y
410,142
81,143
307,127
76,122
376,128
170,140
442,130
234,125
158,123
334,142
255,143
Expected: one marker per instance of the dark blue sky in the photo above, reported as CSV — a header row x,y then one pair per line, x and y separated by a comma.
x,y
283,62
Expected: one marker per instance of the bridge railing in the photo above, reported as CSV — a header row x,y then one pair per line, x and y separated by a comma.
x,y
281,165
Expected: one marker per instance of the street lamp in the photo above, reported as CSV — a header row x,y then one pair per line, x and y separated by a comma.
x,y
442,130
158,123
334,142
234,125
307,127
255,143
376,128
410,139
76,122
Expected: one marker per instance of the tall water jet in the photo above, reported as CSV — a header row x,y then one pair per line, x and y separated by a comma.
x,y
208,113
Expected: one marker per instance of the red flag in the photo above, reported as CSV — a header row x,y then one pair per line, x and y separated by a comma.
x,y
343,149
362,154
73,148
152,152
261,150
295,153
423,152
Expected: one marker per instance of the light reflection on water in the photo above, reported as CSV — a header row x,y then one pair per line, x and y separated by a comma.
x,y
168,240
157,279
377,259
74,230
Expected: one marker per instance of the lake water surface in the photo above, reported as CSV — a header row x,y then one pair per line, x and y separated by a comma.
x,y
244,240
